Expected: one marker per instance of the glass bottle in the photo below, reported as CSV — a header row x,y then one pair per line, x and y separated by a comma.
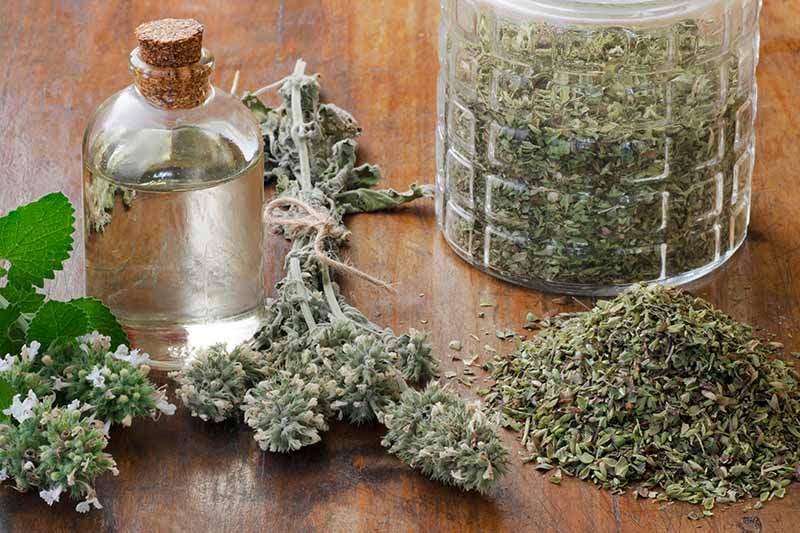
x,y
173,194
586,145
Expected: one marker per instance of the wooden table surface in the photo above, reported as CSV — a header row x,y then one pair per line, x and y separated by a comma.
x,y
59,60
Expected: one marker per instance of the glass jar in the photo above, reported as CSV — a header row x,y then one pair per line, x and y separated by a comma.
x,y
173,193
586,145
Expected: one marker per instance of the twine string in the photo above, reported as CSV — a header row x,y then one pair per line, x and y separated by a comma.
x,y
324,226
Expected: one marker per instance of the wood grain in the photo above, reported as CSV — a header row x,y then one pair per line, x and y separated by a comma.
x,y
58,60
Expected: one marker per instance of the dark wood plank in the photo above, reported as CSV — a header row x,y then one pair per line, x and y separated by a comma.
x,y
58,60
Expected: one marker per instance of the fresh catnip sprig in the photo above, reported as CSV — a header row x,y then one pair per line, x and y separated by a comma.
x,y
36,239
323,357
56,432
74,386
115,384
55,449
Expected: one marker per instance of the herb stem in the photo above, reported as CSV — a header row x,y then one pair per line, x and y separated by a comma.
x,y
296,275
298,119
327,288
235,84
269,87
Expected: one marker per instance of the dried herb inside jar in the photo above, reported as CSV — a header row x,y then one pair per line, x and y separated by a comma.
x,y
596,156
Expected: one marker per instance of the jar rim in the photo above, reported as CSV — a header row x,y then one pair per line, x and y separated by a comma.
x,y
607,11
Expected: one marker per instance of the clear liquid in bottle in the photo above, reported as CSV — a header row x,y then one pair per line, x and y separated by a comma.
x,y
175,249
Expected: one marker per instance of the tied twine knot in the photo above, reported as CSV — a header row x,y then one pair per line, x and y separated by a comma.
x,y
324,226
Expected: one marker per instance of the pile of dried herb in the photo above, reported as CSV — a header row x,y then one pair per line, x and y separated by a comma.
x,y
317,358
659,390
585,157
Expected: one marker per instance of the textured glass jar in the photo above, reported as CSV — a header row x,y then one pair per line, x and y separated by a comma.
x,y
586,145
173,198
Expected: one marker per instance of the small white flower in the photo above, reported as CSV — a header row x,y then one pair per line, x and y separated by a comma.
x,y
22,410
29,353
51,496
165,407
91,338
7,362
134,357
96,378
86,505
122,352
74,405
139,357
106,428
3,474
59,384
94,341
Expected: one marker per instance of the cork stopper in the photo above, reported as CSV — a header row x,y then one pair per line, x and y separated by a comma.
x,y
170,42
170,67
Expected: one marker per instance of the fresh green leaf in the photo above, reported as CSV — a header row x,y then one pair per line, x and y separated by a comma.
x,y
369,200
6,396
36,239
26,298
102,320
55,320
8,318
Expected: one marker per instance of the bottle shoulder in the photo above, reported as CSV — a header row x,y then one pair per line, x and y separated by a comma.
x,y
129,139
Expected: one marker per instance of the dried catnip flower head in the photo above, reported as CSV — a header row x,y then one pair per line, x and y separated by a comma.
x,y
449,440
214,385
56,449
367,379
285,412
414,356
338,333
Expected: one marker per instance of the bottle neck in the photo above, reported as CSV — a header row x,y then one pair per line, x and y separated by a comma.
x,y
173,87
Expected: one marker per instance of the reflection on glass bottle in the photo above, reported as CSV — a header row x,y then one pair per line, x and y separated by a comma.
x,y
99,198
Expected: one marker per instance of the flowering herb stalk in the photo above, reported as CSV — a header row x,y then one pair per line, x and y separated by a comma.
x,y
57,430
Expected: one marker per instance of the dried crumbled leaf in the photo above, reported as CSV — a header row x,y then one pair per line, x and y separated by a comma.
x,y
644,387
